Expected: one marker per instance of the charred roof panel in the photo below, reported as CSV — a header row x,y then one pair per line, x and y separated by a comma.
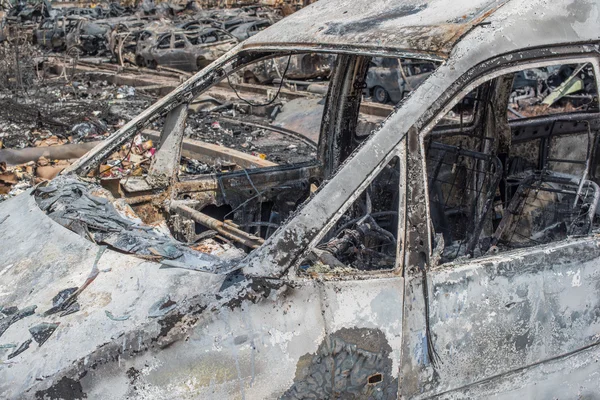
x,y
429,26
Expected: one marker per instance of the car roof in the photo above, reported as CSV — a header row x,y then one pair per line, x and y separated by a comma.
x,y
247,25
409,26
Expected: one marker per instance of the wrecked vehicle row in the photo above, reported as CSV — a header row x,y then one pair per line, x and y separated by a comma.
x,y
115,33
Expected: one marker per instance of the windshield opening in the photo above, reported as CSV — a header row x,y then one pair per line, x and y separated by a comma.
x,y
220,172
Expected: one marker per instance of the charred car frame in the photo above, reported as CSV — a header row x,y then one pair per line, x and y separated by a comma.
x,y
392,268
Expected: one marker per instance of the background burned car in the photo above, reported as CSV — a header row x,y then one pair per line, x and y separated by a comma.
x,y
301,67
90,13
52,33
188,51
123,38
26,12
247,29
89,37
388,79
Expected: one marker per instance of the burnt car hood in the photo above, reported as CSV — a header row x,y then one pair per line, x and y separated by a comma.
x,y
40,258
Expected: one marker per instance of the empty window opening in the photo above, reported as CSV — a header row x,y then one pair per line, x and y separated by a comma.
x,y
497,185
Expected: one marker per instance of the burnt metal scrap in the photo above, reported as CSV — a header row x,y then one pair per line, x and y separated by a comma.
x,y
71,203
42,332
12,315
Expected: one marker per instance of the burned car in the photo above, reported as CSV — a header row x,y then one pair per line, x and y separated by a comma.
x,y
184,50
247,29
89,37
450,253
389,81
89,13
23,11
52,33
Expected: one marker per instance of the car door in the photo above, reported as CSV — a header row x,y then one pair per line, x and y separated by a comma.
x,y
330,327
510,301
162,50
354,274
182,53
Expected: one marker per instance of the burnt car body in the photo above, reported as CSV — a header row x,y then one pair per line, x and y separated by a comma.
x,y
90,13
248,29
123,37
24,12
86,36
387,80
52,33
90,37
184,50
444,312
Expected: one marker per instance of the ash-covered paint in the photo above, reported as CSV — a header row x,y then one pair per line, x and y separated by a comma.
x,y
504,315
64,389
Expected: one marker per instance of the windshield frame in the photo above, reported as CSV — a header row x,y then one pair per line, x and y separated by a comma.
x,y
236,59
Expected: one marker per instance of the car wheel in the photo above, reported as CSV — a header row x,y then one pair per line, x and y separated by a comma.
x,y
152,64
380,95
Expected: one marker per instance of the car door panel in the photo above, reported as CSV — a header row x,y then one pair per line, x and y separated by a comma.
x,y
314,339
500,314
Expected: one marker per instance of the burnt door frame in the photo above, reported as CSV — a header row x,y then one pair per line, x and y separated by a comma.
x,y
426,361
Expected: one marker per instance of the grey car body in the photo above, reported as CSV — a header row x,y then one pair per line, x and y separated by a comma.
x,y
520,323
248,29
385,82
184,50
52,32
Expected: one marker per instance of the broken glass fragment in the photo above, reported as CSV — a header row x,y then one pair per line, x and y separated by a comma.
x,y
59,300
161,307
63,295
111,316
73,308
24,346
9,310
6,322
43,331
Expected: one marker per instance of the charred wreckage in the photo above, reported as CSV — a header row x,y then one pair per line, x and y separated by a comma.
x,y
117,33
450,250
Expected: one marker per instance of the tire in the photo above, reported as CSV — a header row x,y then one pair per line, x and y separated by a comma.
x,y
380,95
152,64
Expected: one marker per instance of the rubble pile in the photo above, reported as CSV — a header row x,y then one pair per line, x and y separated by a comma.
x,y
19,63
59,114
132,159
237,133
